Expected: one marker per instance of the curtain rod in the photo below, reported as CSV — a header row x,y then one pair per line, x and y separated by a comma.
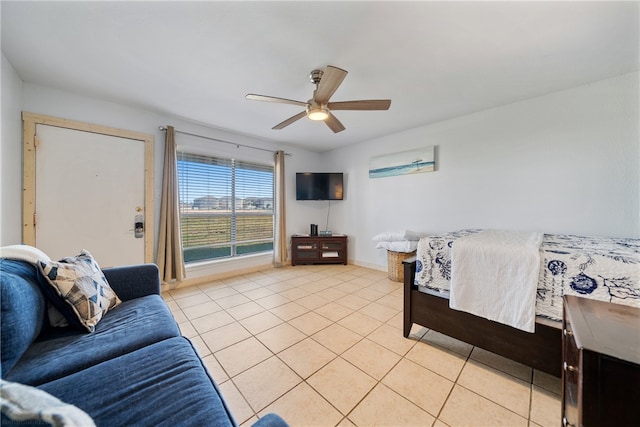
x,y
163,129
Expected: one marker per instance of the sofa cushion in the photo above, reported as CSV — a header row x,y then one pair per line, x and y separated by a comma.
x,y
23,405
63,351
79,290
164,384
19,327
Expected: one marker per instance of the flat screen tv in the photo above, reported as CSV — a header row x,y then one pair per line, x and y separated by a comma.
x,y
319,186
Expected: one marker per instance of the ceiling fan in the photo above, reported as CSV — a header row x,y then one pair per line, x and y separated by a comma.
x,y
319,107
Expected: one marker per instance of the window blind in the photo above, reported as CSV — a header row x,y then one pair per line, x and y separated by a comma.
x,y
226,207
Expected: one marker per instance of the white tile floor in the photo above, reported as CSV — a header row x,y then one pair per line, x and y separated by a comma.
x,y
323,346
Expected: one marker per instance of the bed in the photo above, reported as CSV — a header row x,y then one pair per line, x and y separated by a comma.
x,y
592,267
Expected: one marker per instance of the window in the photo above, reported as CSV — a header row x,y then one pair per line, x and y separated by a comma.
x,y
226,207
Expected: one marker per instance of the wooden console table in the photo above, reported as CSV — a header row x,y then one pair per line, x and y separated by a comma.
x,y
319,249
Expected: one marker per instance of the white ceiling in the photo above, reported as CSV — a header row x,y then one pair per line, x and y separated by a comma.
x,y
435,60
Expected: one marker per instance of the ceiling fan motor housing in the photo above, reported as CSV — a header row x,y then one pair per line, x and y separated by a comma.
x,y
315,76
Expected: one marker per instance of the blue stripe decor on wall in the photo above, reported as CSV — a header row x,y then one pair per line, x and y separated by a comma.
x,y
419,160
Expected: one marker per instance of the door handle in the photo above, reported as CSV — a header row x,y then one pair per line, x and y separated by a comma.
x,y
139,227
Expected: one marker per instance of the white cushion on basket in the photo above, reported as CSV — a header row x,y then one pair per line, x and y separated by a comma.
x,y
397,236
404,246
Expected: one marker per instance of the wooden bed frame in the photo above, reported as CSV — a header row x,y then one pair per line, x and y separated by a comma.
x,y
541,350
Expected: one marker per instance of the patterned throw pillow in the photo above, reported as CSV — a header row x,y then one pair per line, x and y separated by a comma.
x,y
79,290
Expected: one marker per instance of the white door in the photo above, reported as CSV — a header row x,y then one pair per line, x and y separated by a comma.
x,y
89,187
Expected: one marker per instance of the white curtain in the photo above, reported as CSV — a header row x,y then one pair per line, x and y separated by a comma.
x,y
170,259
280,230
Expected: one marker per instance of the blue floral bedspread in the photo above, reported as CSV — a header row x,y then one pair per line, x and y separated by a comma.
x,y
602,268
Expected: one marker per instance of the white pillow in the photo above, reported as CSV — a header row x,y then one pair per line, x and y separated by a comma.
x,y
24,253
24,403
397,236
404,246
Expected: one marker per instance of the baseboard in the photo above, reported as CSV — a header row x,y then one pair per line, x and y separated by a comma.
x,y
219,276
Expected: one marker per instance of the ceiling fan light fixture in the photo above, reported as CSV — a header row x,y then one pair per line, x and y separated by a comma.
x,y
318,113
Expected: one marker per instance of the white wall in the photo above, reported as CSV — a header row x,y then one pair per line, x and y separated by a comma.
x,y
10,156
567,162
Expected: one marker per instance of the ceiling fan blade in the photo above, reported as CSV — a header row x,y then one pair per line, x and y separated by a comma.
x,y
369,104
331,79
290,120
254,97
334,123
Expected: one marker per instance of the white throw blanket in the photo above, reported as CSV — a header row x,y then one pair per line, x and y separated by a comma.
x,y
494,274
25,404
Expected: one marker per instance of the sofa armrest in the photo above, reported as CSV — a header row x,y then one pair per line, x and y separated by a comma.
x,y
134,281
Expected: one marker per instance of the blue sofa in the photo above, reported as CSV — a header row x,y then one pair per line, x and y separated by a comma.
x,y
135,369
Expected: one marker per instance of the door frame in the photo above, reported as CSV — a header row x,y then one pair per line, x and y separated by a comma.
x,y
30,142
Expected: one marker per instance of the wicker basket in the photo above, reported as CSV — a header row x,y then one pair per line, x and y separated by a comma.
x,y
394,263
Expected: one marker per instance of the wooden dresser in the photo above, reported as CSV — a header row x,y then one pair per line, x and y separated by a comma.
x,y
601,363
